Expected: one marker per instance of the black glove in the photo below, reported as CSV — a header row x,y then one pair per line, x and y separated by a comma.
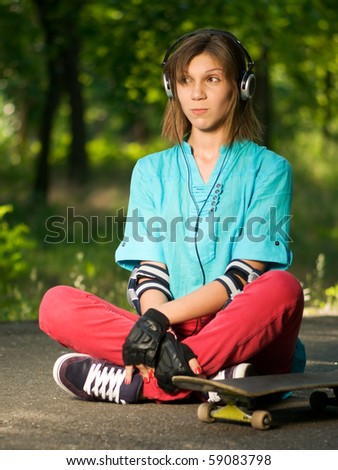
x,y
173,360
142,343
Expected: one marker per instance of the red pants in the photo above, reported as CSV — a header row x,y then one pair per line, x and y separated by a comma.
x,y
260,326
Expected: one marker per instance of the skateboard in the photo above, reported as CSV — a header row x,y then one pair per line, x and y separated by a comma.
x,y
241,397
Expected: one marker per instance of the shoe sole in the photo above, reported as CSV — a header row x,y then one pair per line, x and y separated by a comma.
x,y
243,370
58,365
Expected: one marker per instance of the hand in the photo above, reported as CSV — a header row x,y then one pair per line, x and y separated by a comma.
x,y
146,372
175,358
149,372
142,343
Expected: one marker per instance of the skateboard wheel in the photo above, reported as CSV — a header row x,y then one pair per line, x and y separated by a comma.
x,y
318,400
261,420
204,412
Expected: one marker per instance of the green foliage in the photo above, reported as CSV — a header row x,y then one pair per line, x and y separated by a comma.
x,y
84,275
14,242
319,299
332,297
295,47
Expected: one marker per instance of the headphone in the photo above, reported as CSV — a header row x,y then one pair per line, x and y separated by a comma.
x,y
247,80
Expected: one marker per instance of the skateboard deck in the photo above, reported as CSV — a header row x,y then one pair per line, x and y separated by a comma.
x,y
240,396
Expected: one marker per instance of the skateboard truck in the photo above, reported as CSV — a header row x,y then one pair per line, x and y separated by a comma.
x,y
210,412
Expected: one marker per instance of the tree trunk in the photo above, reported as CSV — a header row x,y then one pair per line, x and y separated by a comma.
x,y
59,23
77,154
42,178
52,98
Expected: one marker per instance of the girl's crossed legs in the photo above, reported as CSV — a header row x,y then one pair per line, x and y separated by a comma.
x,y
260,326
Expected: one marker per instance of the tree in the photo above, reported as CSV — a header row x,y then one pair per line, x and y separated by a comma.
x,y
59,21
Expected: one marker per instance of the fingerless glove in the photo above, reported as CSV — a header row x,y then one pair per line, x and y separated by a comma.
x,y
142,343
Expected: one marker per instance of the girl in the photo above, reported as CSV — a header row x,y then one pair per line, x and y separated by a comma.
x,y
206,241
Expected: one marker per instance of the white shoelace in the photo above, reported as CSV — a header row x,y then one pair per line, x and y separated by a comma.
x,y
236,372
105,383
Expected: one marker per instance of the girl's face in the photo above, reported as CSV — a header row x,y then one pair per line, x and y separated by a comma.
x,y
204,93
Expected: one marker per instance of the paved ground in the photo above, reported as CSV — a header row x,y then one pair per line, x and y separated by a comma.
x,y
36,414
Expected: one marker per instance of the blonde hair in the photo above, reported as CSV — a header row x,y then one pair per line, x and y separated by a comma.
x,y
242,122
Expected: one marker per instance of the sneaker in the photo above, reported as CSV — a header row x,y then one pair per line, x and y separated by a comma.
x,y
234,372
95,379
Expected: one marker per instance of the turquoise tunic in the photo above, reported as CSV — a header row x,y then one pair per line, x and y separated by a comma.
x,y
197,228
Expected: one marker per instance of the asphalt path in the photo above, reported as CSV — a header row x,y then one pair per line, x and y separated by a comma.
x,y
35,414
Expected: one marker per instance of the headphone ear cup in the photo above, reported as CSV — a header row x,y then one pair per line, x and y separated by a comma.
x,y
247,85
167,86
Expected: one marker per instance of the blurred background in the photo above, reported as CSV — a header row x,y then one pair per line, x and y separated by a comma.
x,y
81,100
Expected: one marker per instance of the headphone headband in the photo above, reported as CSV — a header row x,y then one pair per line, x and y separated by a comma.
x,y
247,83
